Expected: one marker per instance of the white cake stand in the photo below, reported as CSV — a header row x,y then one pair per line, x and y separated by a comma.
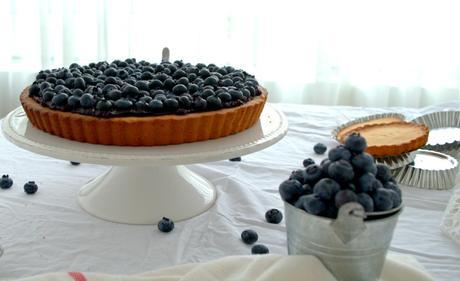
x,y
147,183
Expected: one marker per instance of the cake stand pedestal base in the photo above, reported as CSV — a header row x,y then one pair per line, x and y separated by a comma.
x,y
143,195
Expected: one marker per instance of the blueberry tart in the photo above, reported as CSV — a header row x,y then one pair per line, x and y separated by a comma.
x,y
138,103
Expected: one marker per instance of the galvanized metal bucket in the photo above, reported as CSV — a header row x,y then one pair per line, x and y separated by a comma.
x,y
351,248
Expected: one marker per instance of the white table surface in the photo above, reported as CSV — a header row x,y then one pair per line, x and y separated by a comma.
x,y
48,231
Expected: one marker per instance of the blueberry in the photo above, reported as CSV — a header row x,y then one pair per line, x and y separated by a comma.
x,y
200,103
339,153
249,236
48,95
356,143
341,171
382,199
214,102
376,185
79,83
211,80
179,89
155,84
185,102
364,162
395,198
146,99
171,103
207,93
246,93
274,216
366,182
130,91
236,94
319,148
87,101
312,204
77,92
345,196
104,105
392,186
259,249
155,105
110,72
113,95
366,201
179,73
45,85
6,182
165,225
192,88
204,72
383,173
169,84
227,82
307,162
59,99
142,85
290,190
224,96
236,159
183,80
160,97
162,77
30,187
123,104
313,173
146,76
73,101
34,90
109,87
326,188
299,175
74,163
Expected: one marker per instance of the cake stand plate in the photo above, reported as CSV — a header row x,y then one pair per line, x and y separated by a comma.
x,y
147,183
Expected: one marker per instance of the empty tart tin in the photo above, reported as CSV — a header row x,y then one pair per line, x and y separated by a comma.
x,y
392,162
444,131
430,170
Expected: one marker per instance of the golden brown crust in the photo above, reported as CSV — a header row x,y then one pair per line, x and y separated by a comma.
x,y
144,131
342,134
394,138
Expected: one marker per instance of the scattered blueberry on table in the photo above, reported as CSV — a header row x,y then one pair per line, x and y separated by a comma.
x,y
259,249
165,225
30,187
249,236
319,148
236,159
349,174
74,163
274,216
6,182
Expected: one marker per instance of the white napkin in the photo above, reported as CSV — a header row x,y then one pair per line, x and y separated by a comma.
x,y
250,268
450,224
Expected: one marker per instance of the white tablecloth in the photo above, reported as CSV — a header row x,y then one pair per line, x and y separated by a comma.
x,y
48,231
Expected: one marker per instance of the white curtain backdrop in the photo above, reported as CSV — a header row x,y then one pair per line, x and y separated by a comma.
x,y
364,53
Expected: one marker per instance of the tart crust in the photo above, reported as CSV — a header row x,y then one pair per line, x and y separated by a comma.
x,y
393,139
342,134
144,131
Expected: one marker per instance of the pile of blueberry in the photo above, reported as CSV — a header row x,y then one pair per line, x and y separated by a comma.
x,y
348,175
141,88
6,182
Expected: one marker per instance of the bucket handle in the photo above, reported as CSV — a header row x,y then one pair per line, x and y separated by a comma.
x,y
350,222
